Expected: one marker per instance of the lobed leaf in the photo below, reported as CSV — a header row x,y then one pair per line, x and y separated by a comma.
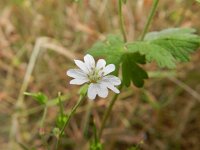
x,y
152,52
39,97
169,33
131,71
165,47
180,42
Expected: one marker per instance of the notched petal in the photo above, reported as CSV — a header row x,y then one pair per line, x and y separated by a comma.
x,y
92,92
108,69
78,81
81,65
113,88
100,63
76,73
102,90
112,79
89,62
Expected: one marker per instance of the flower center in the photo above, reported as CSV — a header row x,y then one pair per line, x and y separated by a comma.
x,y
95,75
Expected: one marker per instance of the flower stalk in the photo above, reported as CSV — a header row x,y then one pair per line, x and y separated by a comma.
x,y
121,20
108,111
80,100
150,17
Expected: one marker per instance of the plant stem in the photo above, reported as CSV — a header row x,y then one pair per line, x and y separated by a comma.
x,y
80,100
87,119
60,104
122,28
108,111
112,102
150,17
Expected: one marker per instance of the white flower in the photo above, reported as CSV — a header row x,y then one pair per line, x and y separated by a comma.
x,y
96,75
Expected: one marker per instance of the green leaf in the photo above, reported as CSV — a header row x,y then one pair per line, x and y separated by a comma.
x,y
61,119
111,49
95,143
152,52
180,42
167,46
39,97
169,33
96,146
131,71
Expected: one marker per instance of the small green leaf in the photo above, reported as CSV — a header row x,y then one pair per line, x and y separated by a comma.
x,y
95,143
131,71
61,119
96,146
39,97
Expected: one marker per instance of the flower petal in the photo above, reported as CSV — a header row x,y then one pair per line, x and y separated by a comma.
x,y
108,69
92,91
81,65
110,82
76,73
113,88
89,61
79,81
100,63
111,79
102,90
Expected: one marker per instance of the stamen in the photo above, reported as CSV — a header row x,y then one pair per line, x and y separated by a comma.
x,y
95,75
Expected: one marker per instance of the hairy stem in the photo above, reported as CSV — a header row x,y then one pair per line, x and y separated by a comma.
x,y
87,119
80,100
122,28
150,17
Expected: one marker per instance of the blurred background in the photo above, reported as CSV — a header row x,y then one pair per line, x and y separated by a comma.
x,y
39,40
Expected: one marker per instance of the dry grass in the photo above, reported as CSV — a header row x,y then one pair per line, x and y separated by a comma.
x,y
164,114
